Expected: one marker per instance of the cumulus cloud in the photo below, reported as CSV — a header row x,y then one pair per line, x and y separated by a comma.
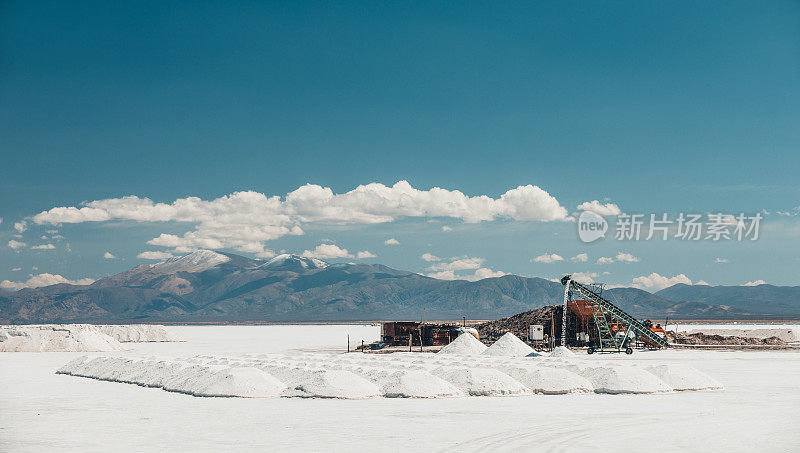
x,y
600,208
327,251
154,255
447,270
458,264
109,256
755,283
16,244
583,277
626,258
580,258
429,257
44,247
365,254
446,228
548,258
479,274
621,257
485,272
720,260
657,282
40,280
391,241
21,226
245,220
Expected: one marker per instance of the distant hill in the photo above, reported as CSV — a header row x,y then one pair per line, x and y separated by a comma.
x,y
214,286
766,300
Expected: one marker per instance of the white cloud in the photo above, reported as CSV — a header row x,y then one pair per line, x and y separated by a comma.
x,y
154,255
626,258
720,260
327,251
600,208
391,241
656,282
16,244
45,279
580,258
621,257
21,226
479,274
447,270
43,247
16,269
1,220
109,256
548,258
584,277
365,254
430,257
245,220
446,228
458,264
755,283
485,272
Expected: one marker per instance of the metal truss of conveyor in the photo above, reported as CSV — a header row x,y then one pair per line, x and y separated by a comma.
x,y
603,309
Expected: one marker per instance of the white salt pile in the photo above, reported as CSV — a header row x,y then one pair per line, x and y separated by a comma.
x,y
682,377
140,333
465,344
78,337
400,375
548,380
332,384
417,384
561,351
623,379
509,346
482,381
56,338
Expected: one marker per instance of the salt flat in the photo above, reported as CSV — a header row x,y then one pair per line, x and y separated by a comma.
x,y
759,409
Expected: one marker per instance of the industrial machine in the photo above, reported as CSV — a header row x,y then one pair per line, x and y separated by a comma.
x,y
616,329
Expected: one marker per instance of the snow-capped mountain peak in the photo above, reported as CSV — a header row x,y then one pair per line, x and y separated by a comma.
x,y
288,260
194,262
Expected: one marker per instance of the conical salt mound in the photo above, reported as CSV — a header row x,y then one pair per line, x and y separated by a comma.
x,y
508,346
561,351
465,344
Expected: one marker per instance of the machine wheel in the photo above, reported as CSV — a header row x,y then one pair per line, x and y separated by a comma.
x,y
628,351
590,350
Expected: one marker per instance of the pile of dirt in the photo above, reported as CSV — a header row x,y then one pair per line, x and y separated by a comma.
x,y
701,338
518,324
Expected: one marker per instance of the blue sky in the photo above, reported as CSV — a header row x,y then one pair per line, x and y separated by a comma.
x,y
654,107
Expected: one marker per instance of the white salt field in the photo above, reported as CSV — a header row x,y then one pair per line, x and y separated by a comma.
x,y
297,390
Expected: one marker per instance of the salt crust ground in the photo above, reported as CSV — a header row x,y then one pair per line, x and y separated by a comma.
x,y
43,411
410,375
78,337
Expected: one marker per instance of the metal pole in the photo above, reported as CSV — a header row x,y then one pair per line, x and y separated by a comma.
x,y
564,315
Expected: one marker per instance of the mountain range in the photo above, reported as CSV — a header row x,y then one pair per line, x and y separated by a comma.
x,y
208,286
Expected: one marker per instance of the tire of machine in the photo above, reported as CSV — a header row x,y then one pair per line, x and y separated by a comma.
x,y
628,351
590,350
